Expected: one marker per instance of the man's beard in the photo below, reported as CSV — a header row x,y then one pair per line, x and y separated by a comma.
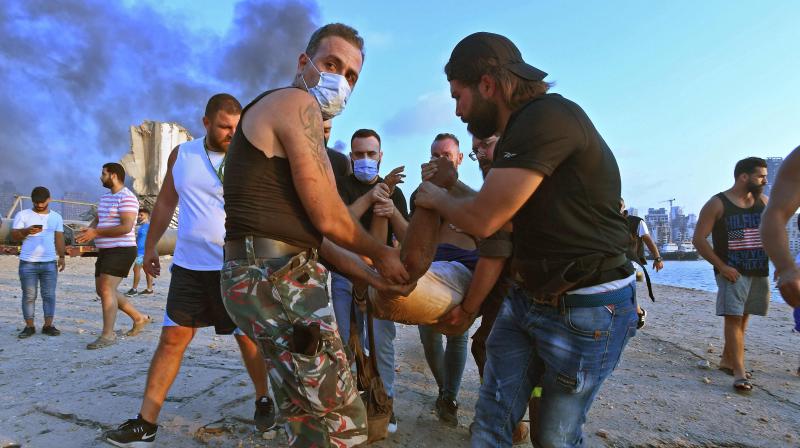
x,y
755,189
483,117
218,145
107,184
485,165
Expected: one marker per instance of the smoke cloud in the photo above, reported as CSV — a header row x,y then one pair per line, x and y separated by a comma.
x,y
75,74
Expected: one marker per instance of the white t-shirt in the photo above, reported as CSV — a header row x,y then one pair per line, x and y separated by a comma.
x,y
642,230
42,246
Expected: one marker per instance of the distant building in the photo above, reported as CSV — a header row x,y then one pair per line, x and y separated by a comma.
x,y
658,222
75,211
633,211
773,164
794,236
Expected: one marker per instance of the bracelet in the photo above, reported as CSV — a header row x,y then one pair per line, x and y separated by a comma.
x,y
658,259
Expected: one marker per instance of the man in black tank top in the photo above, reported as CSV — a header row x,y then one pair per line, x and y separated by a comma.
x,y
740,263
282,206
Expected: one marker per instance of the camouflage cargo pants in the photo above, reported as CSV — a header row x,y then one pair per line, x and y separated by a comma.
x,y
284,305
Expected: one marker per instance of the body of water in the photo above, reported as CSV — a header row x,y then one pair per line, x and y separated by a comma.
x,y
695,274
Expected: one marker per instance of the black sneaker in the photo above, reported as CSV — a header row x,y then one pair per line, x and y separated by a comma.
x,y
51,330
265,414
131,292
134,433
27,332
392,424
447,410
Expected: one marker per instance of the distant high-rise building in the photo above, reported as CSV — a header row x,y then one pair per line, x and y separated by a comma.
x,y
658,222
773,164
633,211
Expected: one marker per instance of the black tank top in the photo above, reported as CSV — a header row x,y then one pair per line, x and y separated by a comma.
x,y
260,198
736,239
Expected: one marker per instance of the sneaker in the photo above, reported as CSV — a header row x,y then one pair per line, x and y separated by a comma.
x,y
642,317
131,292
392,428
134,433
447,411
265,414
51,330
146,292
27,332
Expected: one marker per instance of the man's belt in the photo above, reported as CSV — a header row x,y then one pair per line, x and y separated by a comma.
x,y
262,248
569,277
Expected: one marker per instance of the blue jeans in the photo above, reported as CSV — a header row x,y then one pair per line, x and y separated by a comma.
x,y
569,352
447,365
35,275
384,329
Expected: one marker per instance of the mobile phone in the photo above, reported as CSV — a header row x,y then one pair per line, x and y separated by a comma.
x,y
37,226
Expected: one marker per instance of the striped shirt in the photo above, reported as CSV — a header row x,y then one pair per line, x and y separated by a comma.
x,y
108,215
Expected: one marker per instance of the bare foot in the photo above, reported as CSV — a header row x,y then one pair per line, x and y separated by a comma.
x,y
139,325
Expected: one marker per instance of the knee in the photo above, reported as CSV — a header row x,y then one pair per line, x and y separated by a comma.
x,y
174,338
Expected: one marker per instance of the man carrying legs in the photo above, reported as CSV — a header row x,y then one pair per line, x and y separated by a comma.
x,y
193,182
741,267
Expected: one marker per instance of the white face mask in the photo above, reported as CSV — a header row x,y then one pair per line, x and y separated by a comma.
x,y
331,92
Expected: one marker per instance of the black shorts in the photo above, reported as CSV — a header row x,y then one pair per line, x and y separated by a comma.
x,y
195,300
116,261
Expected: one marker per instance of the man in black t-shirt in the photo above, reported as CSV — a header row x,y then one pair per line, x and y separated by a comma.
x,y
365,193
339,161
554,177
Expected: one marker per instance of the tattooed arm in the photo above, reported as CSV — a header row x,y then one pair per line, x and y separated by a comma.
x,y
301,136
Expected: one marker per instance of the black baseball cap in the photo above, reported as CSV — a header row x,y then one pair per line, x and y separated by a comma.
x,y
488,45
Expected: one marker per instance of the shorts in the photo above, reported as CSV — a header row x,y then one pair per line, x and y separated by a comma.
x,y
115,261
748,295
139,260
195,300
441,289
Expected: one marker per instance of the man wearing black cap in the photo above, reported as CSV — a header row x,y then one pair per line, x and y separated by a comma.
x,y
565,324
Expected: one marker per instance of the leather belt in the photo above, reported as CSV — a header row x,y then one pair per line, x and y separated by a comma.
x,y
262,248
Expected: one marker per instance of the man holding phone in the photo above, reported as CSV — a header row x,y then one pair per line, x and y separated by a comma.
x,y
42,234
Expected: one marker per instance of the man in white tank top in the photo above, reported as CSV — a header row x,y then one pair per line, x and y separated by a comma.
x,y
193,183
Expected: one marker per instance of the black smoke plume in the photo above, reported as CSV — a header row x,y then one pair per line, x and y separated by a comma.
x,y
75,74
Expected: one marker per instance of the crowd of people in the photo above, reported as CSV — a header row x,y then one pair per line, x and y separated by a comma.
x,y
297,251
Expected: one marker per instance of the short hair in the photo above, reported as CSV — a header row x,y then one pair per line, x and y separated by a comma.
x,y
115,168
516,90
144,210
748,165
346,32
223,102
365,133
445,136
40,194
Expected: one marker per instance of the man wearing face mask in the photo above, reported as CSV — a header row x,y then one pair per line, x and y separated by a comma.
x,y
282,212
367,194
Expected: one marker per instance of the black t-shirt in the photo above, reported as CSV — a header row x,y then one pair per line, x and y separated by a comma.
x,y
575,210
340,164
351,189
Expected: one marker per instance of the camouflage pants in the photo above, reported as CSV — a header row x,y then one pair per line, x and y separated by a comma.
x,y
284,305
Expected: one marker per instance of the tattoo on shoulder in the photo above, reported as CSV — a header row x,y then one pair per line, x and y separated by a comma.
x,y
312,129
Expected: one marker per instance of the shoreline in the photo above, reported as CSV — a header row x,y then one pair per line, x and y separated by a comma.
x,y
53,392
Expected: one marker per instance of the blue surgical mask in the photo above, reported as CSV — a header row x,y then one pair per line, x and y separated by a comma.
x,y
331,92
365,170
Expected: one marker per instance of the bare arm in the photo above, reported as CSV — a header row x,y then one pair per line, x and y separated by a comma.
x,y
126,223
784,201
60,250
709,214
160,218
483,214
651,246
301,137
399,225
20,234
487,272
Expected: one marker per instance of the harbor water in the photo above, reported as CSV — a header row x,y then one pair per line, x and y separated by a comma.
x,y
696,274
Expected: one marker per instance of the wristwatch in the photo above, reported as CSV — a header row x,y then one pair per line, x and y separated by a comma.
x,y
658,259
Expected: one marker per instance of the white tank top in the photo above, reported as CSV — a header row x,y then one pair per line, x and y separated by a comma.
x,y
201,222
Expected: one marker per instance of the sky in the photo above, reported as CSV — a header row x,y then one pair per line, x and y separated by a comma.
x,y
679,90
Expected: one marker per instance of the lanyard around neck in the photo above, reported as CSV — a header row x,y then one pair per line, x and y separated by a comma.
x,y
219,171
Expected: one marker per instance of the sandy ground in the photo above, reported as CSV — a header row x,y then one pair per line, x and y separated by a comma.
x,y
53,392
